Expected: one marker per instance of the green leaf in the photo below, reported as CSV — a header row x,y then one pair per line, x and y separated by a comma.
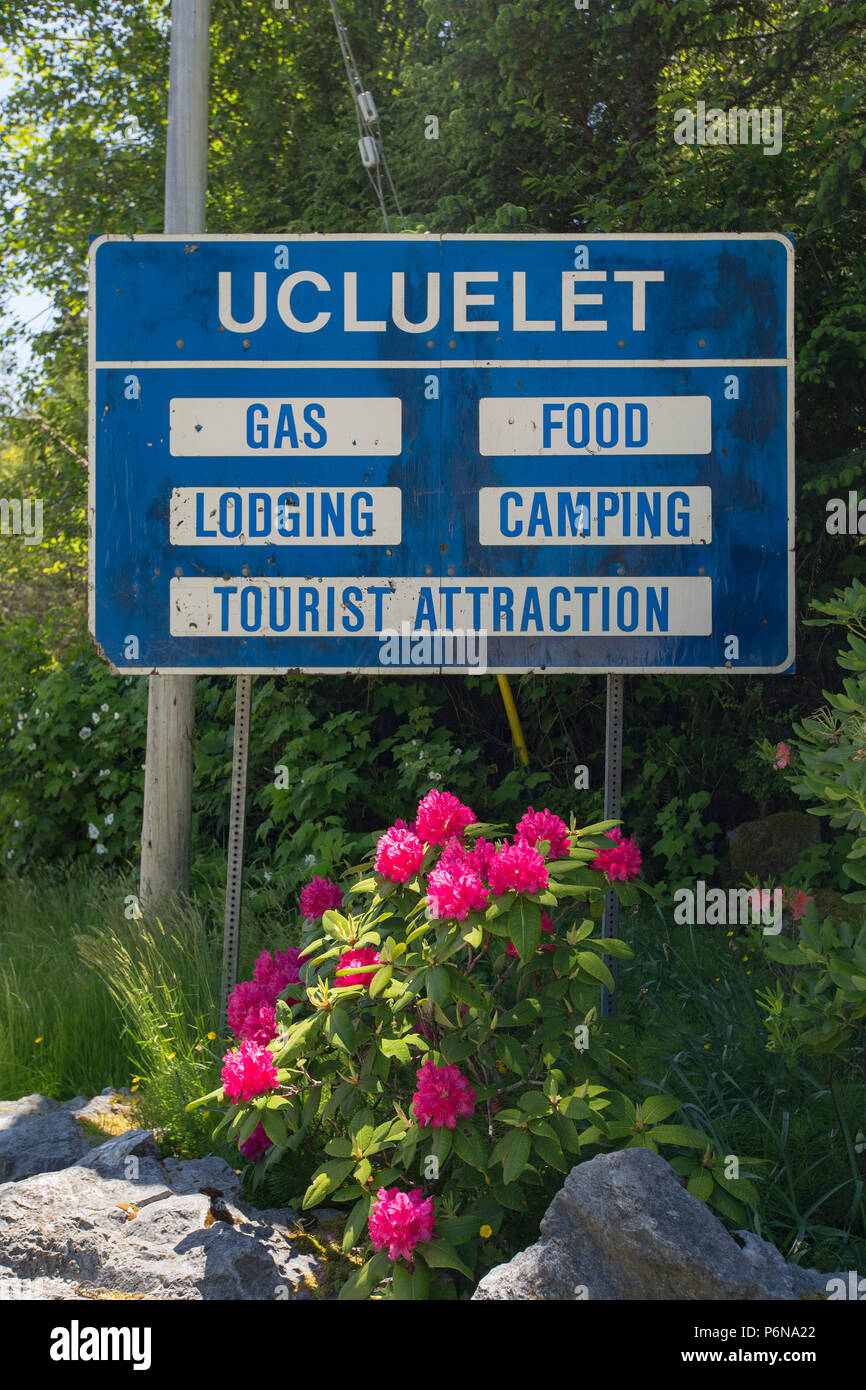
x,y
410,1284
364,1280
356,1223
680,1134
275,1127
524,924
300,1036
437,984
518,1146
656,1108
218,1095
438,1254
595,966
440,1142
339,1148
615,946
512,1053
380,980
533,1103
469,1147
339,1030
458,1229
700,1184
395,1047
327,1179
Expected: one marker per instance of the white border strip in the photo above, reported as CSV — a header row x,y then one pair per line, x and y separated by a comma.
x,y
571,363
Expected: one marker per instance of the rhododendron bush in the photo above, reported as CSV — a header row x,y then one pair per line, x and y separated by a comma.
x,y
438,1043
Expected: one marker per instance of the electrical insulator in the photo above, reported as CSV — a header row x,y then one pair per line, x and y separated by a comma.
x,y
369,151
367,108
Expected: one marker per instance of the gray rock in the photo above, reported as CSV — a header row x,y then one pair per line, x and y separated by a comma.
x,y
125,1222
624,1227
767,849
38,1135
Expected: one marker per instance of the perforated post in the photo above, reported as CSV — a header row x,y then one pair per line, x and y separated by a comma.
x,y
612,801
237,819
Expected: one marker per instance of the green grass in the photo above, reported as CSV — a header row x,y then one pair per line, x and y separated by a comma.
x,y
47,993
699,1034
120,1001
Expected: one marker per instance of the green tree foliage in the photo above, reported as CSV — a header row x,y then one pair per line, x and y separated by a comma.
x,y
549,119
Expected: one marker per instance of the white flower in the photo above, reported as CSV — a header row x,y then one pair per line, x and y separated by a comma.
x,y
116,715
92,831
74,773
36,711
85,732
100,849
16,823
435,776
309,860
105,772
31,747
104,708
20,725
252,892
267,876
9,853
94,717
109,819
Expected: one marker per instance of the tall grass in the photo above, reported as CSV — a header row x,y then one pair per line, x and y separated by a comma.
x,y
688,1000
60,1031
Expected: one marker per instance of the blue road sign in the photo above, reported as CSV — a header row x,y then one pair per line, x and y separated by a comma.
x,y
510,453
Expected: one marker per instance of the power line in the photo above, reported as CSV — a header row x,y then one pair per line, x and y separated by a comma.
x,y
370,141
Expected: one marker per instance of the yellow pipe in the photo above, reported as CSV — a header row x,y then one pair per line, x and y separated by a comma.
x,y
513,719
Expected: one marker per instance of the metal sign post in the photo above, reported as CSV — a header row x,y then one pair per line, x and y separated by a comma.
x,y
237,819
612,802
167,813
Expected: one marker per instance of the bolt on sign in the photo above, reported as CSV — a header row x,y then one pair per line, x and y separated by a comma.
x,y
581,450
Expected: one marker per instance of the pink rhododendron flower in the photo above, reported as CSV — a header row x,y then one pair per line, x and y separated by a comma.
x,y
783,756
517,866
362,955
399,1220
257,1144
275,972
248,1071
798,902
546,925
622,862
544,825
250,1012
453,892
443,1093
398,854
318,896
440,815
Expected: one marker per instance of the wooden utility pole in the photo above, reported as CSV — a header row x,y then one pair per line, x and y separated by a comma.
x,y
167,818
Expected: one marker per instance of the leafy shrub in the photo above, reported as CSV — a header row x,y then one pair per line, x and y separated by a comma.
x,y
829,770
443,959
70,768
